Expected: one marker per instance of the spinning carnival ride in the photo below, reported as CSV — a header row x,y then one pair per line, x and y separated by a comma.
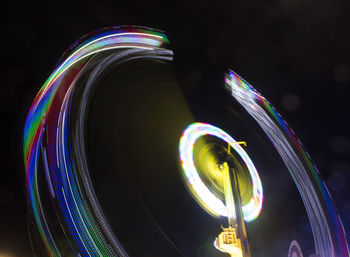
x,y
71,219
222,174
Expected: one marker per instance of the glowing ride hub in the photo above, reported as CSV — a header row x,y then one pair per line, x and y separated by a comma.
x,y
231,206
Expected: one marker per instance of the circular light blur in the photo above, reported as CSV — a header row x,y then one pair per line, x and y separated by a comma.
x,y
208,200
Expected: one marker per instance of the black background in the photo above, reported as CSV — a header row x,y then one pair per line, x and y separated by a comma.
x,y
296,53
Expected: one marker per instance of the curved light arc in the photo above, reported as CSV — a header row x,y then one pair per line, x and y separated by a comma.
x,y
208,200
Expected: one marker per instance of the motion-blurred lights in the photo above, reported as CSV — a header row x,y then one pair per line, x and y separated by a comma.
x,y
207,199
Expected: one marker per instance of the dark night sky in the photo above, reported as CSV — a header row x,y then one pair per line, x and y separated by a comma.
x,y
296,53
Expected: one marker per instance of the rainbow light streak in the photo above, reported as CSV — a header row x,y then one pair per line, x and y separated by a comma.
x,y
328,232
48,117
208,200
